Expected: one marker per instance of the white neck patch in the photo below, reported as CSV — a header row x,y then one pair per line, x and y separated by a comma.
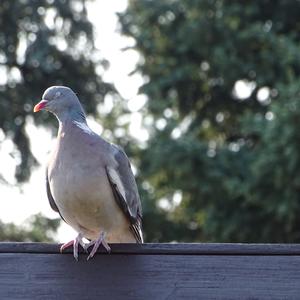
x,y
83,126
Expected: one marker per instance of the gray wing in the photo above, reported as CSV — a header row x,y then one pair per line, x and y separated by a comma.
x,y
50,197
125,191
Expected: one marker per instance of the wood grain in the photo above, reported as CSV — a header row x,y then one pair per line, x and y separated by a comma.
x,y
151,271
165,248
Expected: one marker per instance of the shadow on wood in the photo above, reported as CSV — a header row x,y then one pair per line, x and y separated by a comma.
x,y
151,271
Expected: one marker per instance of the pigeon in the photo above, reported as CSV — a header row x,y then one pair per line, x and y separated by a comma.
x,y
89,181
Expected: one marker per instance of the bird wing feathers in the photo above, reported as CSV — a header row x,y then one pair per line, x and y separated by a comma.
x,y
125,191
50,197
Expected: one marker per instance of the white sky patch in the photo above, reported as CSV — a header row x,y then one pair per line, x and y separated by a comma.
x,y
49,17
136,103
111,44
96,127
177,198
61,44
243,89
182,127
160,124
41,140
107,105
3,75
263,95
269,116
169,204
8,162
66,233
168,113
164,204
15,75
220,117
135,127
20,203
21,49
2,135
176,133
3,58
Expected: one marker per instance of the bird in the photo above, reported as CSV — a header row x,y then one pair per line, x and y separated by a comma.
x,y
89,181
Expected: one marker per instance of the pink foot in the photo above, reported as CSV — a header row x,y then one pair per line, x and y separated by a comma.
x,y
66,245
78,240
97,243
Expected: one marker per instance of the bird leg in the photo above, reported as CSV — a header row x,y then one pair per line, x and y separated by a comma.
x,y
97,243
77,241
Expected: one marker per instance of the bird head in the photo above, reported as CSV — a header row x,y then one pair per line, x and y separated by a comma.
x,y
61,101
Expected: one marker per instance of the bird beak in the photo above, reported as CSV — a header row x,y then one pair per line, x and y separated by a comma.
x,y
41,105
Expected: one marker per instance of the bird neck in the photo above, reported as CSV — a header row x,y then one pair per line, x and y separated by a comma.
x,y
77,115
70,119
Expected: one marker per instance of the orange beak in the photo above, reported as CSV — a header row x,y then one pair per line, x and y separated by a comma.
x,y
41,105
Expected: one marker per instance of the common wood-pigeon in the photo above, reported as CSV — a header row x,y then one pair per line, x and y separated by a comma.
x,y
89,180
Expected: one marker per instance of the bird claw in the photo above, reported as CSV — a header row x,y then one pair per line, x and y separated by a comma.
x,y
66,245
97,243
77,241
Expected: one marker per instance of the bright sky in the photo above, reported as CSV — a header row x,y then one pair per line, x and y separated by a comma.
x,y
20,203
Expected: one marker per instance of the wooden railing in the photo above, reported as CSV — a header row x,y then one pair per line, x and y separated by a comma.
x,y
151,271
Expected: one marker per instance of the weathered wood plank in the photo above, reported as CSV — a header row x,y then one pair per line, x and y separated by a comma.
x,y
159,276
166,249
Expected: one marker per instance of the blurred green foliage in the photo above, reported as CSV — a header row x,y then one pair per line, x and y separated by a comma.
x,y
36,229
222,80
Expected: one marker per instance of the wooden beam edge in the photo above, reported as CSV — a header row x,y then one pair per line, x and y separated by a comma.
x,y
165,249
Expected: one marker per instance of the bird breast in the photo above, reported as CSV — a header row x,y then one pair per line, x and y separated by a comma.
x,y
82,192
